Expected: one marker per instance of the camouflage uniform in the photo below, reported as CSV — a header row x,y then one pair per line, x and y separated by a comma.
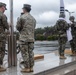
x,y
26,26
3,26
73,30
61,27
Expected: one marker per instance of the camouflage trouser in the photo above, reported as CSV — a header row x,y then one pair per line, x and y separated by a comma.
x,y
73,44
2,51
62,42
27,54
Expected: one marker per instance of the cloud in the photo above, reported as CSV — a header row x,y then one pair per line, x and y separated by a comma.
x,y
69,1
71,7
41,6
46,12
46,18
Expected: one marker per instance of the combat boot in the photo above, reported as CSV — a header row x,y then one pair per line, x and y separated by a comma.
x,y
62,57
73,53
2,69
26,70
31,69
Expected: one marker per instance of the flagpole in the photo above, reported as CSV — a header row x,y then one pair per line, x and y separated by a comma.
x,y
12,57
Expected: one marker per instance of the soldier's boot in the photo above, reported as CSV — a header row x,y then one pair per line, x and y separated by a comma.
x,y
26,70
73,53
2,68
62,57
31,69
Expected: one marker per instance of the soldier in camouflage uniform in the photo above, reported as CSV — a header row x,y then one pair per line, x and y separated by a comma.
x,y
26,26
3,26
61,27
73,31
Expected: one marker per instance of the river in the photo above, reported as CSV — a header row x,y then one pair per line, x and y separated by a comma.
x,y
43,47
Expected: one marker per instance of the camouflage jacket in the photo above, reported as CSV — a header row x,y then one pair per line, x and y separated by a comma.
x,y
73,28
3,23
3,26
26,26
61,27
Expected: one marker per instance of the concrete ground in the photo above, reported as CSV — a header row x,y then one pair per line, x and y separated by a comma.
x,y
50,65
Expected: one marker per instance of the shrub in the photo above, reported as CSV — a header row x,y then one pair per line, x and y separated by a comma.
x,y
52,38
40,37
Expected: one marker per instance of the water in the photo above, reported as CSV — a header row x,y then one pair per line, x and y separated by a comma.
x,y
43,47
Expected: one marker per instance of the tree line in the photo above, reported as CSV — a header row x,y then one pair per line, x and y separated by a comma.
x,y
46,33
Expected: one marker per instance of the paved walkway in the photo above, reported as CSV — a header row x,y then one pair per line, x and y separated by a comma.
x,y
50,63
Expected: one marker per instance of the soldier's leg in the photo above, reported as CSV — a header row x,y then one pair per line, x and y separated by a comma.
x,y
62,43
25,55
61,49
2,54
75,44
72,46
31,55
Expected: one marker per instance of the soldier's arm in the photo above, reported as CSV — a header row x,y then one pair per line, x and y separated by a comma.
x,y
56,26
4,22
19,24
66,25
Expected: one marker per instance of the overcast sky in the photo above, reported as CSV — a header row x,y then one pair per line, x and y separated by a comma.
x,y
46,12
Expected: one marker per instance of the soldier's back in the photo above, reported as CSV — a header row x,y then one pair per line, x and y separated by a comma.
x,y
2,30
28,22
28,19
61,25
1,26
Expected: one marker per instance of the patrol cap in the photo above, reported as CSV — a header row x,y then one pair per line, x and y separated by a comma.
x,y
3,4
71,17
26,6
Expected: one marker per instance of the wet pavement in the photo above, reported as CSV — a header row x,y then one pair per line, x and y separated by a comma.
x,y
50,62
47,66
